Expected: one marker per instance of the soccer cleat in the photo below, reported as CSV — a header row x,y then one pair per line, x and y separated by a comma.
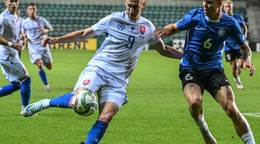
x,y
33,108
240,86
47,87
22,112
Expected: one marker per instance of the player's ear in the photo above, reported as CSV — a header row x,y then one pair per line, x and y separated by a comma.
x,y
220,2
144,4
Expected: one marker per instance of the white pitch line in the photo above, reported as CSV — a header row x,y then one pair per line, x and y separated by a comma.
x,y
257,115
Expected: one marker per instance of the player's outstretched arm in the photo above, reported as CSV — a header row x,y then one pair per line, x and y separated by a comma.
x,y
76,36
166,50
246,55
46,31
167,31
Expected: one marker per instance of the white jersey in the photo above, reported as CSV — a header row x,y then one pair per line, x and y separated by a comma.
x,y
32,29
19,26
9,31
124,42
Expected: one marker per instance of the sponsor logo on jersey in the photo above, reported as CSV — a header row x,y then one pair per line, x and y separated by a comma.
x,y
221,31
86,81
142,29
121,26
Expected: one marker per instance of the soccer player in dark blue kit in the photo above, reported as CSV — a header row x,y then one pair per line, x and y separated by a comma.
x,y
231,48
201,65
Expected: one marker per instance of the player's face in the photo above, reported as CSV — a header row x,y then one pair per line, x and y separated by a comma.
x,y
228,8
211,7
32,11
12,5
134,8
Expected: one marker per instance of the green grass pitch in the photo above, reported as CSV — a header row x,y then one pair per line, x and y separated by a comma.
x,y
157,112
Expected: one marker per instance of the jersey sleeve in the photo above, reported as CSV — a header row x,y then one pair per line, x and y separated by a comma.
x,y
237,34
22,27
241,21
47,24
2,25
101,27
186,21
153,39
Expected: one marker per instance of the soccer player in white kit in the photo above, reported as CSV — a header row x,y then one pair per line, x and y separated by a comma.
x,y
108,71
35,28
12,67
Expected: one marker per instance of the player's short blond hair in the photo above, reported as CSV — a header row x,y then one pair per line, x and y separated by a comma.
x,y
228,1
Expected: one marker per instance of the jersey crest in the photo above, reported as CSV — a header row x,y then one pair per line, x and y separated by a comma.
x,y
221,31
86,82
142,29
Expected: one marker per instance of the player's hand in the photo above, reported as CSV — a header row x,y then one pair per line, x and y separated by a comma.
x,y
43,31
162,33
250,66
17,46
47,40
85,32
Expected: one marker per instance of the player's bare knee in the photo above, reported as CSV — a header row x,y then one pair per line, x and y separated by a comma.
x,y
106,117
40,66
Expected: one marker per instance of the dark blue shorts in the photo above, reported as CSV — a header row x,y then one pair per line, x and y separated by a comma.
x,y
211,80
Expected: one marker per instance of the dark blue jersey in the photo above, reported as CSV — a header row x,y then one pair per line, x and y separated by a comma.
x,y
205,38
230,44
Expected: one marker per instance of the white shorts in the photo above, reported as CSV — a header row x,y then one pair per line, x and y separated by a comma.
x,y
39,52
108,88
13,69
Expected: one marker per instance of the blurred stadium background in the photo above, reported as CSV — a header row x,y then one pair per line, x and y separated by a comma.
x,y
67,15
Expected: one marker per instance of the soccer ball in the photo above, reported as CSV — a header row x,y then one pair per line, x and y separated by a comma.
x,y
84,103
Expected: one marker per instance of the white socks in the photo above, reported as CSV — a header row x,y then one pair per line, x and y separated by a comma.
x,y
203,127
237,80
248,138
201,123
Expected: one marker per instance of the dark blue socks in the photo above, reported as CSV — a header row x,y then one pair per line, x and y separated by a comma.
x,y
61,101
43,76
26,91
10,88
96,133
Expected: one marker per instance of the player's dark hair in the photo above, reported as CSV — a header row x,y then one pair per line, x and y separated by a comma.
x,y
31,4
